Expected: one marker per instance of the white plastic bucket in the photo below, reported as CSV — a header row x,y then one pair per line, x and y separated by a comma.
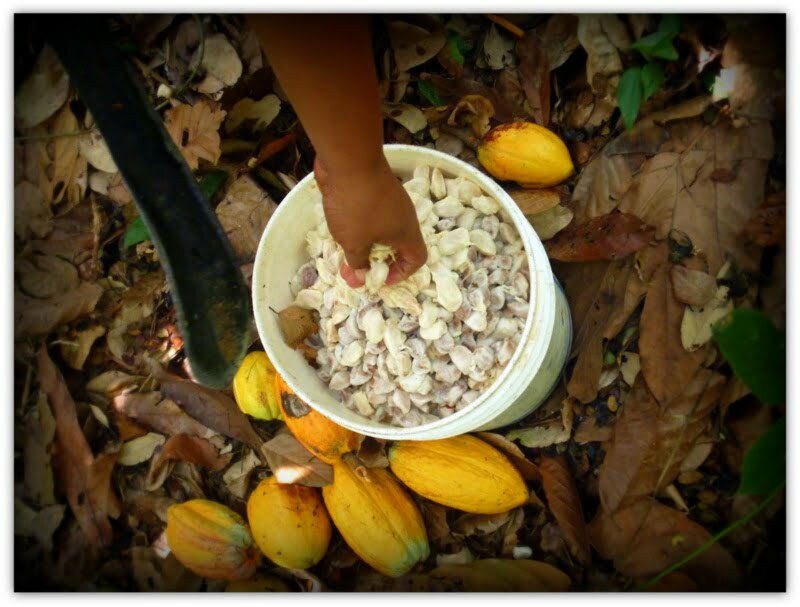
x,y
523,385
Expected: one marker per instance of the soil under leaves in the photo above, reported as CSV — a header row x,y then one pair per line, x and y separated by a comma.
x,y
632,463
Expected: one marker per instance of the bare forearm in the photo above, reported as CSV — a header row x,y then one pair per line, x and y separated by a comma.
x,y
325,65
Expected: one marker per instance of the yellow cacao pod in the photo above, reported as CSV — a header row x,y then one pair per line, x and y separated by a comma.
x,y
462,472
376,517
289,523
527,153
500,575
325,439
254,387
211,540
259,583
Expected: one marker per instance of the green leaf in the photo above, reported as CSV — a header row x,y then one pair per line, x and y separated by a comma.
x,y
709,77
670,24
629,95
657,44
428,91
756,351
652,79
455,46
610,358
211,182
764,464
137,232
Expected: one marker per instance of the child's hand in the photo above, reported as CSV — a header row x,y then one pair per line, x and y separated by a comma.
x,y
367,206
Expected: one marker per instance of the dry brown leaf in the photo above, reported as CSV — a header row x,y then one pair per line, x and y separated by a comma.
x,y
291,462
84,479
550,222
604,182
675,190
453,89
599,313
262,112
243,215
629,366
666,365
538,437
34,316
509,87
565,505
698,320
407,115
40,524
75,350
45,276
650,445
40,430
611,236
646,537
237,476
42,92
113,381
473,111
588,432
138,303
534,201
674,582
183,447
195,130
692,286
220,63
602,36
413,45
635,435
63,171
140,449
372,453
153,573
534,75
499,575
159,413
32,215
214,409
527,468
559,38
296,324
767,226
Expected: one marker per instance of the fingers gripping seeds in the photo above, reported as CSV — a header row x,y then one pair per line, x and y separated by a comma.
x,y
417,351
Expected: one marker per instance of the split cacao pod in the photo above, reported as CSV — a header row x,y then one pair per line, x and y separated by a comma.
x,y
289,523
327,440
254,387
527,153
211,540
376,517
462,472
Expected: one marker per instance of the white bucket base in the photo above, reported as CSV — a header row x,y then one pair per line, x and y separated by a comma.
x,y
524,383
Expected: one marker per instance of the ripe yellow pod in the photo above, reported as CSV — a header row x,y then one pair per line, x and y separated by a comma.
x,y
376,517
254,387
325,439
211,540
500,575
462,472
289,523
259,583
527,153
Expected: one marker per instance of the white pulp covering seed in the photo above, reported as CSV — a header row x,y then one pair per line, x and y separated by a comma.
x,y
414,352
